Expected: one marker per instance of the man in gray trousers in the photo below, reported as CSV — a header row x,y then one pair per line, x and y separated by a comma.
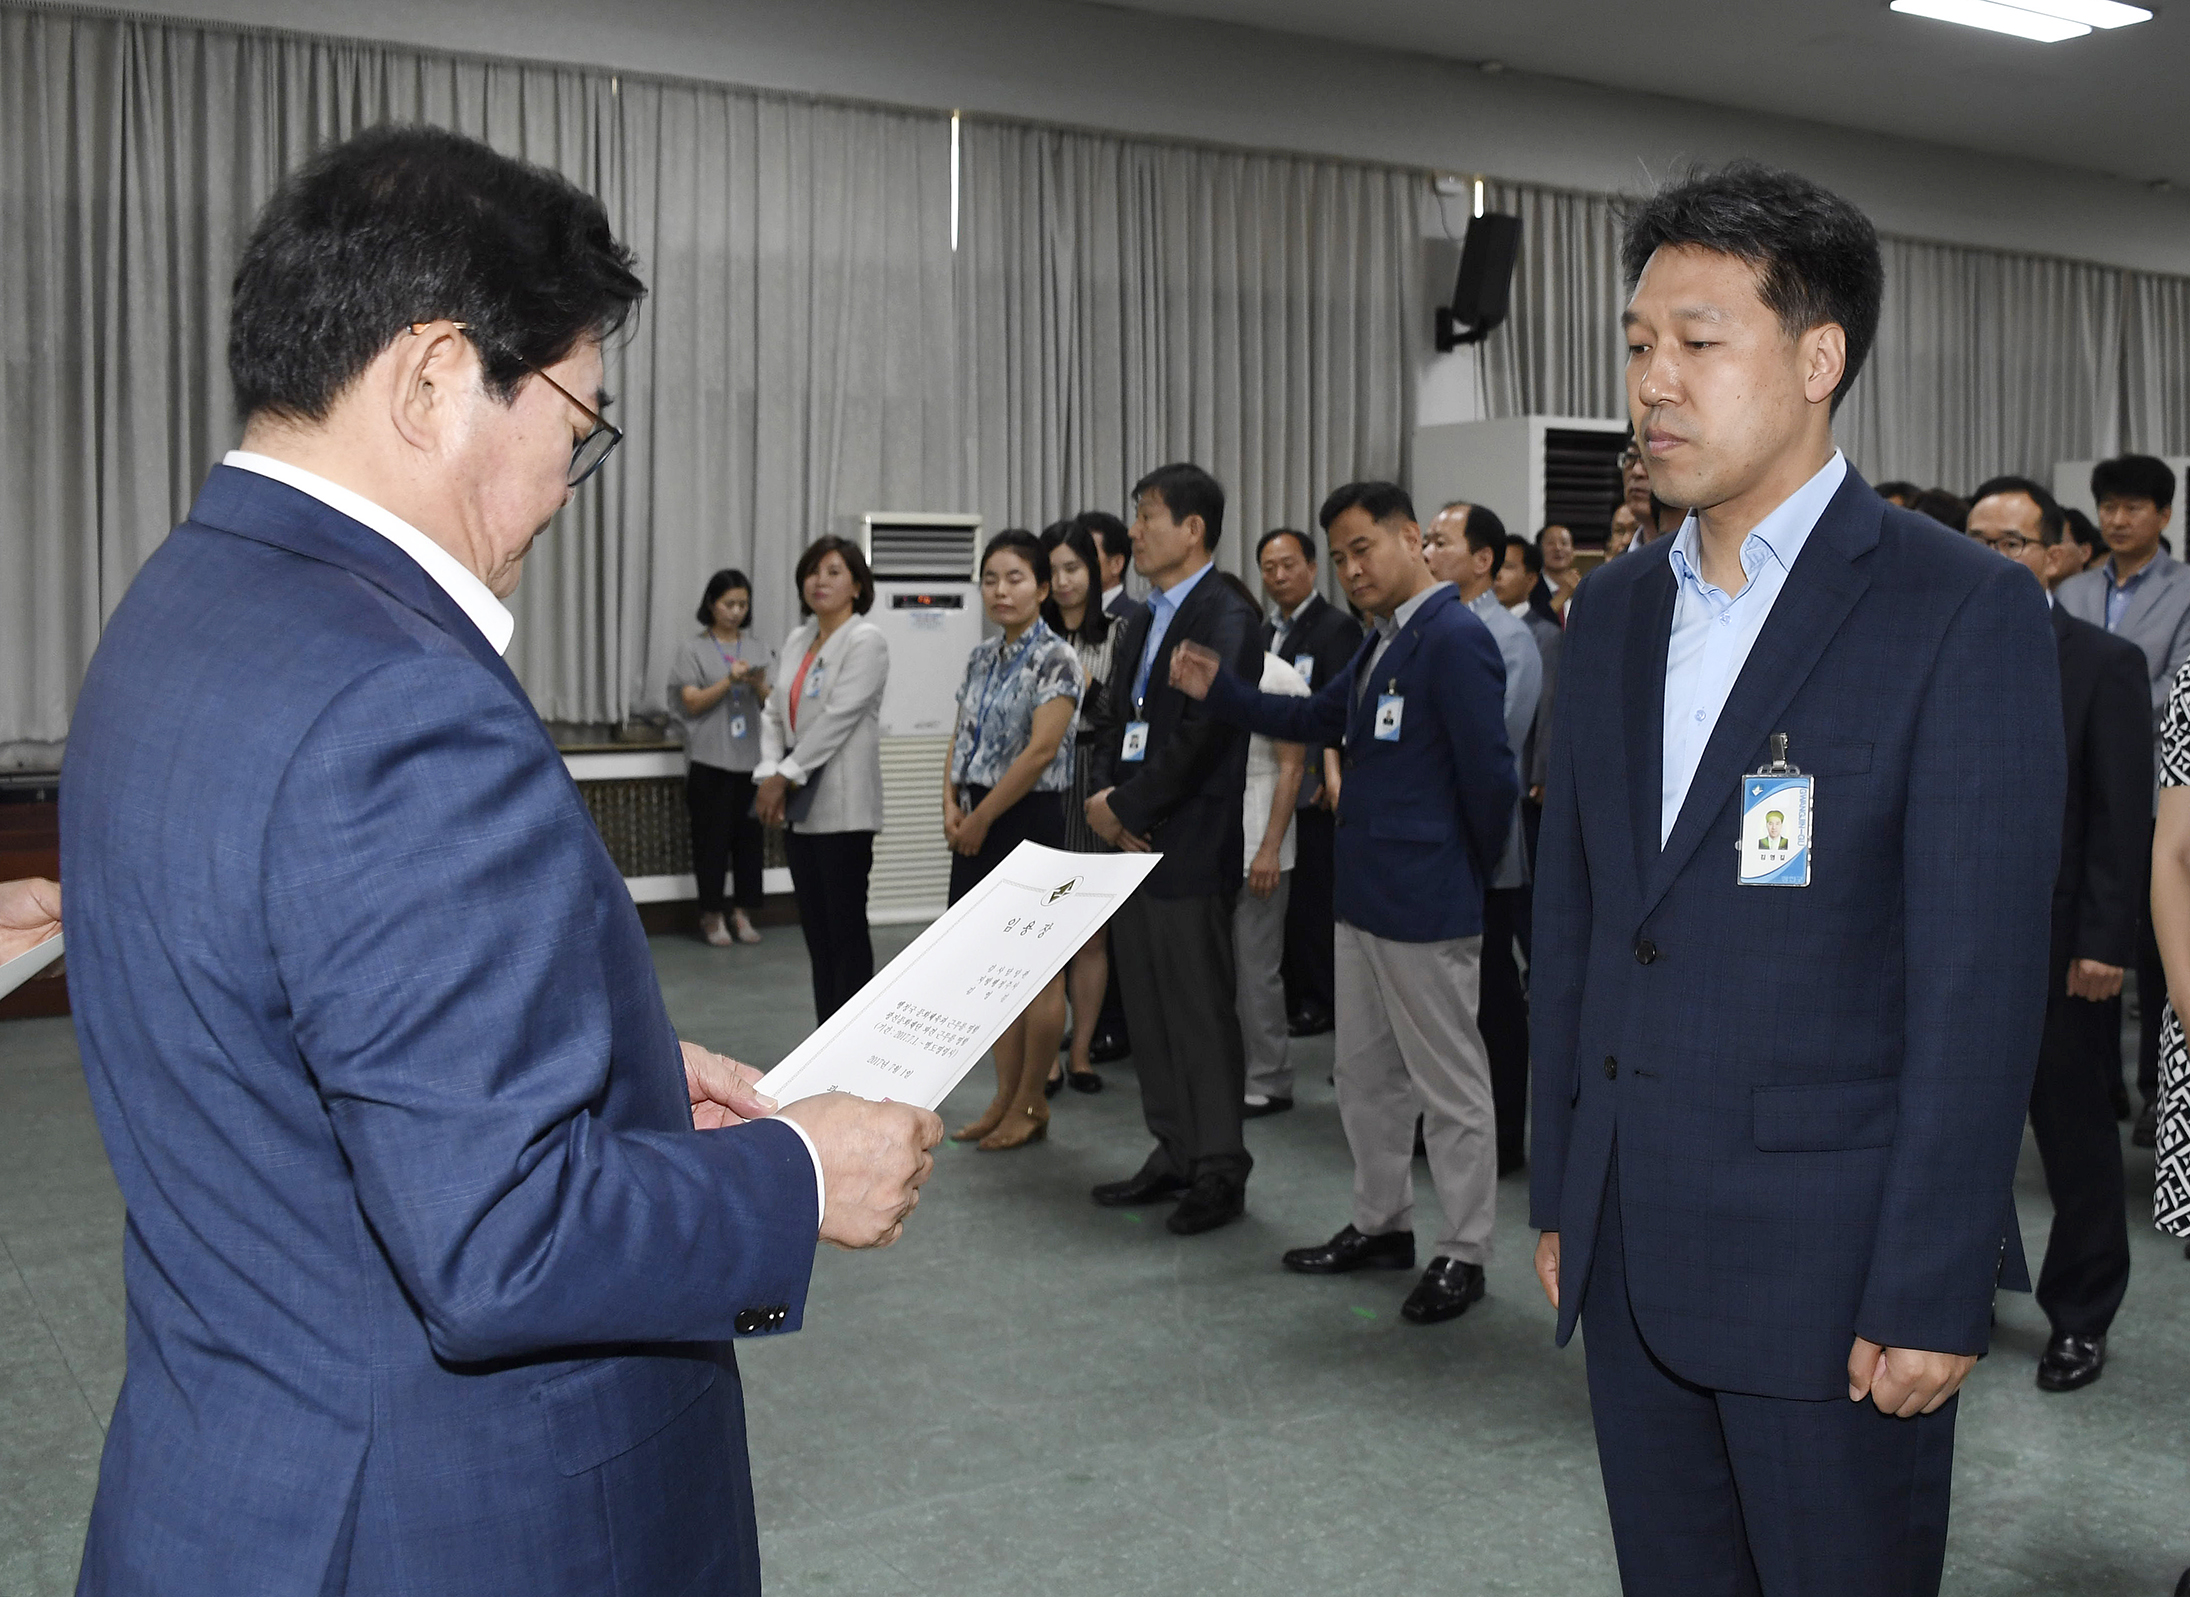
x,y
1424,811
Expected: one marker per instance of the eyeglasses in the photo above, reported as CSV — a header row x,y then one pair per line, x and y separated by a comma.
x,y
1629,458
588,452
2010,544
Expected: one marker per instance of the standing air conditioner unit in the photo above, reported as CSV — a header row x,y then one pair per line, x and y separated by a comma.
x,y
1532,470
928,604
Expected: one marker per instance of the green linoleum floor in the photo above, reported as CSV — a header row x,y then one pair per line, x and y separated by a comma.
x,y
1032,1394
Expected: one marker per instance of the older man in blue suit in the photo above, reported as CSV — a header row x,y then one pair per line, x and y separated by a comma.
x,y
1779,1102
438,1241
1425,809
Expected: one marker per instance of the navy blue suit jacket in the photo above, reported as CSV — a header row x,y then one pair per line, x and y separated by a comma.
x,y
1817,1093
1421,821
431,1281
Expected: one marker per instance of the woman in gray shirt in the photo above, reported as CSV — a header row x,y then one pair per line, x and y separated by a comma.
x,y
716,689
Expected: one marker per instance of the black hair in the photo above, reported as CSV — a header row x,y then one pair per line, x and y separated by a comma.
x,y
1816,255
1531,556
1108,531
1239,587
2084,530
1306,540
1484,530
1906,492
1019,541
1943,507
416,224
1187,490
1382,501
2134,477
2051,523
718,585
856,563
1094,620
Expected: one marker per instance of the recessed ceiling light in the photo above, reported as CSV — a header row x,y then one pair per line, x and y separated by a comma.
x,y
2046,21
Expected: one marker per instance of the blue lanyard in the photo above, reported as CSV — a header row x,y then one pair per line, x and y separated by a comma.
x,y
1035,634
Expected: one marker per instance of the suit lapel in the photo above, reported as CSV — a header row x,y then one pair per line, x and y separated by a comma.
x,y
1642,714
1822,588
2157,579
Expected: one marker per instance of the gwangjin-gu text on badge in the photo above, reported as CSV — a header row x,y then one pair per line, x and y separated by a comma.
x,y
1777,807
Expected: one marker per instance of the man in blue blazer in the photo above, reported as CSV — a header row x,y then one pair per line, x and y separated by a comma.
x,y
438,1240
1423,813
1777,1124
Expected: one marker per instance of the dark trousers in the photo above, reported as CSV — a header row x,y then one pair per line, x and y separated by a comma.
x,y
2151,1000
1722,1494
2086,1267
1310,984
1173,957
829,876
725,835
1501,1014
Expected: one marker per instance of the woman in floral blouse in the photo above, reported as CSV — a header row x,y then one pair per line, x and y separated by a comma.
x,y
1010,765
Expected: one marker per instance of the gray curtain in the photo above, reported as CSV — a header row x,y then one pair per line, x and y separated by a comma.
x,y
793,366
1125,303
1986,362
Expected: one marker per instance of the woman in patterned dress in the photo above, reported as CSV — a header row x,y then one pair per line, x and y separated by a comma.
x,y
2171,925
1010,767
1075,613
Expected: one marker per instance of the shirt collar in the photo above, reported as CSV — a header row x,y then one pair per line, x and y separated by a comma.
x,y
472,596
1779,535
1392,625
1172,597
2150,566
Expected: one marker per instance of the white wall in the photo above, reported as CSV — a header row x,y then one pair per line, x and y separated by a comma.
x,y
1103,67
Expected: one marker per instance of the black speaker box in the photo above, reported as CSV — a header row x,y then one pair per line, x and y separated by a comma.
x,y
1485,288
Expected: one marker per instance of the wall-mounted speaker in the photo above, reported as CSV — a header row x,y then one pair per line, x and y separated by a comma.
x,y
1485,288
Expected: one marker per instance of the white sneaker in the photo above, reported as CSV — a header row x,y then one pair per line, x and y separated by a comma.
x,y
714,932
743,927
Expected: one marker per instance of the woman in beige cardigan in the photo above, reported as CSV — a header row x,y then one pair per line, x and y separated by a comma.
x,y
820,771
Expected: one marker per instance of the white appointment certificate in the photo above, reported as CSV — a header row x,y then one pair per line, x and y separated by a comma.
x,y
926,1019
29,963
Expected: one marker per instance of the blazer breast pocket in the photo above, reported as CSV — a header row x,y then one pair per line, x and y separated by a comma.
x,y
603,1410
1829,757
1826,1117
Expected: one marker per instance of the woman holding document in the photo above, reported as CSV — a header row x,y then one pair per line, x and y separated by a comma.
x,y
1010,764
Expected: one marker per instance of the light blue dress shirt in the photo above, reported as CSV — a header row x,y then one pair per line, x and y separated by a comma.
x,y
2118,594
1713,633
1163,604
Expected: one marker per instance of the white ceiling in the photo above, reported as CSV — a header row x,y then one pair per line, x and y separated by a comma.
x,y
2113,102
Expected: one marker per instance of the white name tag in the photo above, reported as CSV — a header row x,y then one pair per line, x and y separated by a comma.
x,y
1776,816
737,726
1305,664
1389,708
1135,746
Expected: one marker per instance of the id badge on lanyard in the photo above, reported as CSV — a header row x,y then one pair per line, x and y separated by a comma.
x,y
1778,813
1391,705
1135,746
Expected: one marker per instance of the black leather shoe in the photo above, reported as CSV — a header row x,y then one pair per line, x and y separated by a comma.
x,y
1146,1187
2071,1361
2146,1131
1350,1250
1107,1048
1211,1201
1309,1023
1084,1081
1446,1289
2182,1586
1269,1106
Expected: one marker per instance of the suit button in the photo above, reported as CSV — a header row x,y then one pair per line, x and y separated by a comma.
x,y
1611,1068
749,1321
1646,952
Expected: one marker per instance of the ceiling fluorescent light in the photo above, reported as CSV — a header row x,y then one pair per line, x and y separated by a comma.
x,y
2099,13
1997,18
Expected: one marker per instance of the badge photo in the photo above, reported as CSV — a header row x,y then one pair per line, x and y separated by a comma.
x,y
1135,746
1776,814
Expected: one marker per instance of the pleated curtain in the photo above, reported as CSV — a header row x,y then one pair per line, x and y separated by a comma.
x,y
1124,303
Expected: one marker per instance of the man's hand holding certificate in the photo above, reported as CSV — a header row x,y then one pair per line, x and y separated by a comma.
x,y
914,1031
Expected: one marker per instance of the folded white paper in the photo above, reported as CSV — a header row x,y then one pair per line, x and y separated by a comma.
x,y
29,963
926,1019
